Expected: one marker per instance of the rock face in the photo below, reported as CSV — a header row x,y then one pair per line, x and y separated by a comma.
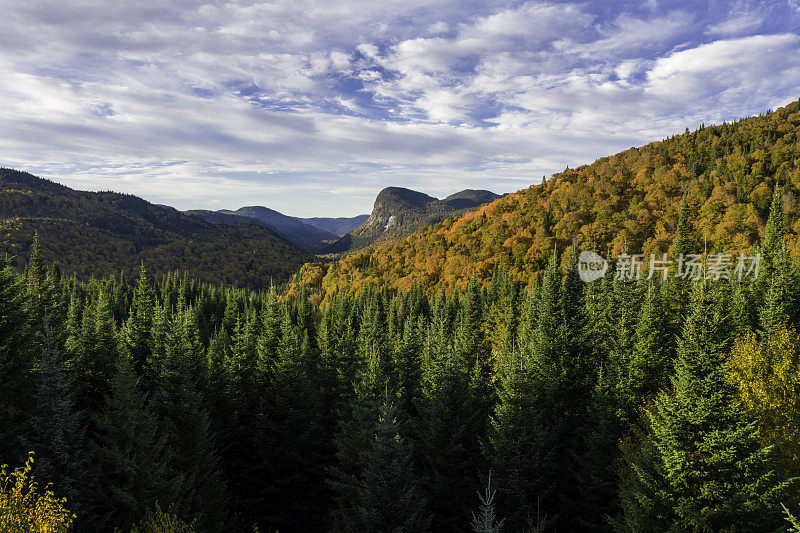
x,y
398,212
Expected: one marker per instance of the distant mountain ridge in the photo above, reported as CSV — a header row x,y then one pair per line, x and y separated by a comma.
x,y
101,233
340,226
399,212
304,235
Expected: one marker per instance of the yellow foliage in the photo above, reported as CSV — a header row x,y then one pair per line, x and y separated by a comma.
x,y
767,375
24,510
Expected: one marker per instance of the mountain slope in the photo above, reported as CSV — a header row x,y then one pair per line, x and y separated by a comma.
x,y
95,234
304,235
626,201
338,226
228,219
398,212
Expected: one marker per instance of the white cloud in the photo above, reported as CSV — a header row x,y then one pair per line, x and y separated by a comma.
x,y
196,103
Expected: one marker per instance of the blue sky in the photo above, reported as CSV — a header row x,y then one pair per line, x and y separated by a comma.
x,y
312,107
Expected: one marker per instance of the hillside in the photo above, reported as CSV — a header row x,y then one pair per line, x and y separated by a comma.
x,y
229,219
629,200
398,212
339,226
305,236
96,234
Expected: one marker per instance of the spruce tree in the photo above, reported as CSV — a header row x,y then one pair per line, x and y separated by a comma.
x,y
387,497
92,355
294,449
136,469
486,520
16,378
521,443
651,362
699,466
447,436
58,436
136,333
187,430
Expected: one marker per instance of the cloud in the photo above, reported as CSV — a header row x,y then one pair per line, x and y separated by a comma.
x,y
221,104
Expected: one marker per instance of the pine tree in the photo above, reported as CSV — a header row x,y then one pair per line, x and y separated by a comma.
x,y
447,437
563,375
353,443
187,429
521,442
136,334
387,498
774,235
136,471
91,362
699,466
684,241
486,520
58,435
16,379
652,356
295,449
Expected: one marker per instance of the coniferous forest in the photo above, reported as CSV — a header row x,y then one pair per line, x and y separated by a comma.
x,y
630,405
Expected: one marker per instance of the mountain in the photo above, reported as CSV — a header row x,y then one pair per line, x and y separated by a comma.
x,y
101,233
398,212
338,226
225,218
628,201
305,236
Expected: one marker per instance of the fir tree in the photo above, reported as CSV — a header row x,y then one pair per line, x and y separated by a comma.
x,y
521,442
136,334
58,435
136,471
652,356
699,466
16,379
387,497
486,520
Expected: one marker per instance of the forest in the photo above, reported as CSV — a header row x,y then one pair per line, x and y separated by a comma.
x,y
103,233
619,405
726,173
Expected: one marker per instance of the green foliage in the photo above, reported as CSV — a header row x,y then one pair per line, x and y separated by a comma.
x,y
160,521
134,460
233,408
98,234
387,498
486,520
700,465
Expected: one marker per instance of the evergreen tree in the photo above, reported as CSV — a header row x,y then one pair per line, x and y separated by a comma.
x,y
447,438
188,437
136,334
699,465
521,443
93,353
486,520
58,435
387,497
16,379
294,450
136,470
652,356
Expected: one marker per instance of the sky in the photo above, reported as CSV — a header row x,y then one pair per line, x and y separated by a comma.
x,y
312,107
